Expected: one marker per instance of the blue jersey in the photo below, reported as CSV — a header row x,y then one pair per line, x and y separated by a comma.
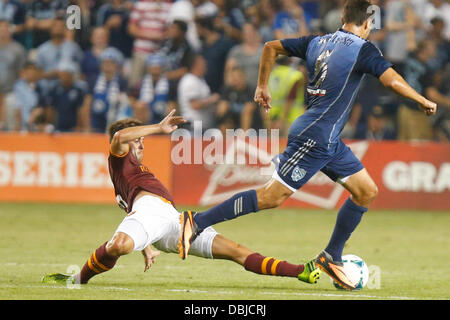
x,y
67,103
336,65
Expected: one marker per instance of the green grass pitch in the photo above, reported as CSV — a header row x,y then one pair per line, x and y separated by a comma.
x,y
410,249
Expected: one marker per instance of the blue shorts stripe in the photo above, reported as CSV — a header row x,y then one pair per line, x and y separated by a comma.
x,y
292,159
297,156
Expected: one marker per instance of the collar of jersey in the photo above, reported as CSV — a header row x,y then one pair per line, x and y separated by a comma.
x,y
349,32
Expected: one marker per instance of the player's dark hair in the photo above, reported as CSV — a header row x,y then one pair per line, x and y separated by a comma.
x,y
356,11
122,124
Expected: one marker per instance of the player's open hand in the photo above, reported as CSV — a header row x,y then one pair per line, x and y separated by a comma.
x,y
429,107
263,98
170,123
149,257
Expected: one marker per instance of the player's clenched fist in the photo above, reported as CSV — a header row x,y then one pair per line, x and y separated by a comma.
x,y
429,107
262,97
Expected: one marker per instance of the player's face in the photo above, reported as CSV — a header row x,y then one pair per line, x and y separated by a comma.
x,y
137,148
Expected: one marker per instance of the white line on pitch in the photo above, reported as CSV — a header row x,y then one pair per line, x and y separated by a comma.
x,y
307,294
336,295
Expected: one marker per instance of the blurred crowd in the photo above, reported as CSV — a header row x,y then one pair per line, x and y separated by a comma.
x,y
143,58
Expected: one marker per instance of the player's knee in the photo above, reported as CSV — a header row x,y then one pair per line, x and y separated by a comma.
x,y
372,192
366,195
121,244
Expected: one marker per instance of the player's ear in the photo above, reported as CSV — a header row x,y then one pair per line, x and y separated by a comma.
x,y
366,26
369,23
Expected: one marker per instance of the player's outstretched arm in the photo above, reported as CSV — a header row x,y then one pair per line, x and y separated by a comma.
x,y
392,80
119,142
270,52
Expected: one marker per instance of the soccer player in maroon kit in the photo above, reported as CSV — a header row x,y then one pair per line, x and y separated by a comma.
x,y
152,218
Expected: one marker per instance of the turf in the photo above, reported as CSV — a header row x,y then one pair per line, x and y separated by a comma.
x,y
410,248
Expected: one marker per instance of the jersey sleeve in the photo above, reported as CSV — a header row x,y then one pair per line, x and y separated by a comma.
x,y
297,47
371,61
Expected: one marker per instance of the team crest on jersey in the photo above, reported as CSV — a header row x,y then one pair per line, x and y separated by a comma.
x,y
298,174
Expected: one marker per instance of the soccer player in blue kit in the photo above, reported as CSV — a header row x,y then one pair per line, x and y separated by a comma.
x,y
336,65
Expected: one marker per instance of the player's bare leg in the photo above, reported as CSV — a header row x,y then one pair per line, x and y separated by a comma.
x,y
272,195
362,188
120,244
363,191
102,259
223,248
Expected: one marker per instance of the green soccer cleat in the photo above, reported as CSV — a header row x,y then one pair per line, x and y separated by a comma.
x,y
310,274
58,278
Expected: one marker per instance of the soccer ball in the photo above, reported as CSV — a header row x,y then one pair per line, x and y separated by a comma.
x,y
356,270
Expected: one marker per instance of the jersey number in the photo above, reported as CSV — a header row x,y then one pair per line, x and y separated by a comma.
x,y
320,73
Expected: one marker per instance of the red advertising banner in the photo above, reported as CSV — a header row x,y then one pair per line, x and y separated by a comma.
x,y
67,167
73,168
408,175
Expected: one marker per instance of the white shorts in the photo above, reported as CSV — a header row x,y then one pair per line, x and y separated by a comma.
x,y
157,223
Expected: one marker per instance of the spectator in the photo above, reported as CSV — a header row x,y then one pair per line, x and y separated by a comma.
x,y
14,12
107,101
41,14
147,26
28,95
178,52
333,19
311,9
65,100
377,127
438,9
90,65
439,91
51,53
229,19
12,58
287,86
436,33
400,25
142,28
215,49
114,16
195,100
247,55
205,9
152,97
236,108
184,10
412,123
262,15
289,20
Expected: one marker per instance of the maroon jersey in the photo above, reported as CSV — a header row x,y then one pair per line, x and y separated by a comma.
x,y
129,177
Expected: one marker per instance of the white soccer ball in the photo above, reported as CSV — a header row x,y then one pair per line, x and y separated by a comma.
x,y
356,270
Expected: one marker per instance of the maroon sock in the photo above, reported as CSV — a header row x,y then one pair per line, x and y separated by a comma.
x,y
267,265
100,261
